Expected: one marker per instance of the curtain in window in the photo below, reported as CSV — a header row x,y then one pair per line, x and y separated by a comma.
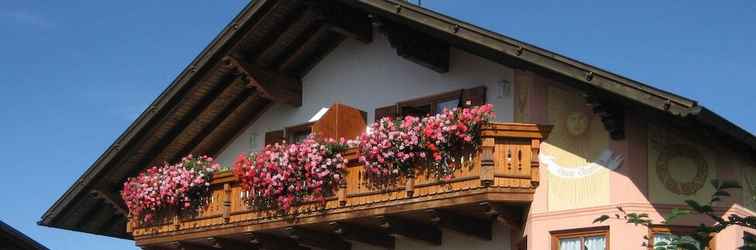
x,y
569,244
667,237
595,243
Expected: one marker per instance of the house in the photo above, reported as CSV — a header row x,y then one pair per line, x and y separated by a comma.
x,y
12,239
571,142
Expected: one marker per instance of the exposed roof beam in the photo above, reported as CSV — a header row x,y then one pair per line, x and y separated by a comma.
x,y
98,219
305,49
418,47
112,200
354,232
321,51
346,20
168,128
230,88
234,104
297,32
247,112
263,33
411,229
273,85
317,239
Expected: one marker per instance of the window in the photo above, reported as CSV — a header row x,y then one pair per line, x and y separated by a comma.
x,y
749,239
582,239
296,134
434,104
293,134
666,233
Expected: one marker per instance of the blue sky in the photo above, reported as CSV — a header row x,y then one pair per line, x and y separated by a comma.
x,y
75,74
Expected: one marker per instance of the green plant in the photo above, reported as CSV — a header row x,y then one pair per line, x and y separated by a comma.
x,y
703,233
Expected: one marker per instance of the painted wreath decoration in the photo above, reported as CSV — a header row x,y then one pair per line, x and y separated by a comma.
x,y
284,175
181,186
395,147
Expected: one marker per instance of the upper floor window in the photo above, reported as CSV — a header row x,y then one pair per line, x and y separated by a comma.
x,y
582,239
434,104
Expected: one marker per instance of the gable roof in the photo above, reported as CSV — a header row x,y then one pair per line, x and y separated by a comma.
x,y
210,102
12,239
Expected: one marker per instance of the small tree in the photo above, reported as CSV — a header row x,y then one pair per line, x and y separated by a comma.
x,y
703,233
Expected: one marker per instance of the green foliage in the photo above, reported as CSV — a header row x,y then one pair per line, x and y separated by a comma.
x,y
703,233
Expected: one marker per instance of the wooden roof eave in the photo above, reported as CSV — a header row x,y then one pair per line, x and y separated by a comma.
x,y
488,42
204,60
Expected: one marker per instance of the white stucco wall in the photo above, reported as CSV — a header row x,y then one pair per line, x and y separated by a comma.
x,y
366,76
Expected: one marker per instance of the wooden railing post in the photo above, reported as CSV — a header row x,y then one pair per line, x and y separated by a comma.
x,y
410,185
226,202
341,193
487,163
535,164
130,223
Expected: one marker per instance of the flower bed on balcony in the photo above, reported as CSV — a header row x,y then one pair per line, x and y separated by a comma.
x,y
178,186
284,175
396,147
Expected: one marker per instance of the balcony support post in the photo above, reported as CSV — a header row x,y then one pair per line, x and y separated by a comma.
x,y
487,164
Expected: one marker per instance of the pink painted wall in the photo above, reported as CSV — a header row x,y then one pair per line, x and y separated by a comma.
x,y
629,186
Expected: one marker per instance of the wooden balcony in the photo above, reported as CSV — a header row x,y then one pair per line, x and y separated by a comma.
x,y
497,182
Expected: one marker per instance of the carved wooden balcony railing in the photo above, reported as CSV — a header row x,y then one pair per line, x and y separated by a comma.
x,y
504,173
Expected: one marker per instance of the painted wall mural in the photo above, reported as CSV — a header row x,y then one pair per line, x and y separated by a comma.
x,y
576,153
680,166
606,160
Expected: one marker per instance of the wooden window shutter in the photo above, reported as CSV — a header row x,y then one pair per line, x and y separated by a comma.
x,y
274,136
474,96
385,111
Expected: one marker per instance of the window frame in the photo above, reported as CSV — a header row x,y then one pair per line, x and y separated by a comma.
x,y
466,97
431,101
675,230
581,233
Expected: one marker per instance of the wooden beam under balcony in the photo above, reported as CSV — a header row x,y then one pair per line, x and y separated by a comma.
x,y
273,85
317,239
180,245
354,232
272,242
397,226
468,225
228,244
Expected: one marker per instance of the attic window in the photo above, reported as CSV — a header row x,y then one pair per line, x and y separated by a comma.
x,y
434,104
